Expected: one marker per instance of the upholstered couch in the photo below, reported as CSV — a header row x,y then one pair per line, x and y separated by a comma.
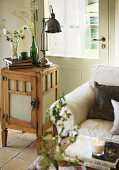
x,y
90,106
95,105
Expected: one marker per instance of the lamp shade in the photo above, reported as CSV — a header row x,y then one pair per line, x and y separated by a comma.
x,y
52,25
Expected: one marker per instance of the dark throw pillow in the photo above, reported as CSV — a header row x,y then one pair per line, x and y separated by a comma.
x,y
103,108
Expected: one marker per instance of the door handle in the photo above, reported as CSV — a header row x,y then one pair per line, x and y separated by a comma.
x,y
102,39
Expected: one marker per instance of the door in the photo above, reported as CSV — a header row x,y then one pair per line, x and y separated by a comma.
x,y
96,34
102,40
99,39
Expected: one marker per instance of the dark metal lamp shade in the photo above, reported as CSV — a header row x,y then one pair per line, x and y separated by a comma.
x,y
52,25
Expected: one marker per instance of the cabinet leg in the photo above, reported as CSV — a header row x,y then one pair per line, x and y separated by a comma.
x,y
4,134
38,144
54,130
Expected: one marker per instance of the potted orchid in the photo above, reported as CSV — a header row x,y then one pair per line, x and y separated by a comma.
x,y
52,149
53,152
27,16
12,37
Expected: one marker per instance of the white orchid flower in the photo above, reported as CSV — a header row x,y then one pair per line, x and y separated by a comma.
x,y
25,27
4,31
63,111
20,31
59,123
65,116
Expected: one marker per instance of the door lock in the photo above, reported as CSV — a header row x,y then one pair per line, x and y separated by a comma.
x,y
103,46
35,103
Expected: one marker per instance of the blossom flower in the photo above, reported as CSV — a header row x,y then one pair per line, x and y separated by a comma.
x,y
27,15
2,26
31,27
63,111
4,31
57,153
11,36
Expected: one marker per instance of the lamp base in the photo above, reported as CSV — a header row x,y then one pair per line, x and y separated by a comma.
x,y
44,62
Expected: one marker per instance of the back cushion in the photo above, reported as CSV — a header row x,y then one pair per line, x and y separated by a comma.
x,y
107,75
103,108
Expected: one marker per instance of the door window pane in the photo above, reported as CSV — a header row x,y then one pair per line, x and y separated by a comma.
x,y
92,28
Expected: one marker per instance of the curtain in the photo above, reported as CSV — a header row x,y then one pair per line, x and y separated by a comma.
x,y
117,31
72,17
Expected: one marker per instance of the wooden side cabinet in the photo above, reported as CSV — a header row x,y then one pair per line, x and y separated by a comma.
x,y
25,94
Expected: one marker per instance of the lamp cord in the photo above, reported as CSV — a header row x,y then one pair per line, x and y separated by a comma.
x,y
51,9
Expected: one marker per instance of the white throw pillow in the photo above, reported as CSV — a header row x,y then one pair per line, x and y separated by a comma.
x,y
107,75
115,128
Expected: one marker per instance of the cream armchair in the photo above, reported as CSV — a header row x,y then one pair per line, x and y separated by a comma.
x,y
81,100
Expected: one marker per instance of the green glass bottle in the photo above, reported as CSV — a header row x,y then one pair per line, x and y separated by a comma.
x,y
34,51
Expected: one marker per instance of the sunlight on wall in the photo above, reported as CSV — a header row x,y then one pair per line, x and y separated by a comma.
x,y
117,32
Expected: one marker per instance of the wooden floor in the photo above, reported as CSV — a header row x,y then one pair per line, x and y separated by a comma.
x,y
20,152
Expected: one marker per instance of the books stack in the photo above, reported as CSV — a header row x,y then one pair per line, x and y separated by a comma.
x,y
73,168
18,63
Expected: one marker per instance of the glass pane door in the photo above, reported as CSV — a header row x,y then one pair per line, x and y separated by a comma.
x,y
92,29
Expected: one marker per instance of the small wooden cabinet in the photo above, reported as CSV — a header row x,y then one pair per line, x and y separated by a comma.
x,y
24,94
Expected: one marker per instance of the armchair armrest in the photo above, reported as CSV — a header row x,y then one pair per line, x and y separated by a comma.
x,y
79,102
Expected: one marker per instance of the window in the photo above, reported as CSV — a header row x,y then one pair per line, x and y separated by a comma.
x,y
79,21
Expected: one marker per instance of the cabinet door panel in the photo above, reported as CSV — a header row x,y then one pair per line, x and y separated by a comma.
x,y
20,107
20,92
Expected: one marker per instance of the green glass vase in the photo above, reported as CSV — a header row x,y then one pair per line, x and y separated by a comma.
x,y
34,51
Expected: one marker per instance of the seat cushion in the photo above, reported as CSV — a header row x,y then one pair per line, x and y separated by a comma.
x,y
98,128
